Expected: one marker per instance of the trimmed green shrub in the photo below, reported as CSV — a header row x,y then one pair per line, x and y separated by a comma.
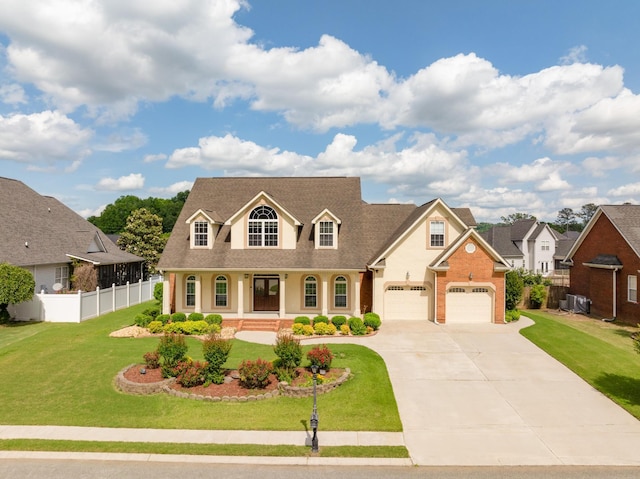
x,y
307,330
158,290
511,315
357,327
213,319
178,317
344,330
320,356
514,286
288,350
163,318
320,319
216,352
142,320
537,295
153,312
302,320
172,350
255,374
152,360
320,328
372,320
195,317
155,327
297,328
338,321
331,329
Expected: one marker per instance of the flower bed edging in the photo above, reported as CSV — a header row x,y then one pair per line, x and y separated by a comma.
x,y
301,392
130,387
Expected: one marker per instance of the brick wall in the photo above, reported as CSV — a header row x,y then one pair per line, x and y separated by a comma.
x,y
481,265
597,284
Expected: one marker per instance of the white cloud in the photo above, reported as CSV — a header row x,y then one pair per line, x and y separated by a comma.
x,y
122,141
630,189
152,158
45,137
134,181
575,55
12,94
172,189
544,174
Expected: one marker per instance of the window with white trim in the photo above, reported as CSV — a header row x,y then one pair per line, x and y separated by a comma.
x,y
190,291
263,227
545,245
222,292
632,288
310,292
200,233
325,235
340,292
436,234
62,276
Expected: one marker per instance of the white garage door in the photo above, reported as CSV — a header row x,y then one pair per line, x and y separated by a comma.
x,y
469,305
406,303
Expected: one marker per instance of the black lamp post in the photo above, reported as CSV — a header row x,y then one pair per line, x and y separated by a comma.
x,y
314,414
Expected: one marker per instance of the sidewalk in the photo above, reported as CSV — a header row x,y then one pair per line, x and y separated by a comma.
x,y
294,438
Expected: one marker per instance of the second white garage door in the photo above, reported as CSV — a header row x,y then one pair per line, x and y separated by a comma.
x,y
469,305
406,303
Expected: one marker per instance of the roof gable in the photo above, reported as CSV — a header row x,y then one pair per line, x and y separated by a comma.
x,y
441,260
256,199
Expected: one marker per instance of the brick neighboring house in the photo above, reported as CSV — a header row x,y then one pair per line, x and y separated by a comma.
x,y
284,247
45,237
605,263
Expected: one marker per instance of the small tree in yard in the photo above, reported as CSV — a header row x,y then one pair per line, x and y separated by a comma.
x,y
16,286
513,289
538,295
143,237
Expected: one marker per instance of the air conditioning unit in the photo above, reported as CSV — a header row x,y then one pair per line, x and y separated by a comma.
x,y
577,303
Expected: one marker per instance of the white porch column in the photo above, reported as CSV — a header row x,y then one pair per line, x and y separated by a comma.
x,y
240,295
283,288
198,305
356,306
166,296
325,295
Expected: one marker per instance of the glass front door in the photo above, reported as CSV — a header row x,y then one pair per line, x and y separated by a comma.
x,y
266,294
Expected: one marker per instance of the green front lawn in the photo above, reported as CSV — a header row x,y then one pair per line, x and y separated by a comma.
x,y
602,354
63,375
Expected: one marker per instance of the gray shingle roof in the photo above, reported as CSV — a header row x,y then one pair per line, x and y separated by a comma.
x,y
50,229
364,230
626,218
500,239
519,229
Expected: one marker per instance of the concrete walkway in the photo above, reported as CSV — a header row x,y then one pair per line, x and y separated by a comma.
x,y
467,395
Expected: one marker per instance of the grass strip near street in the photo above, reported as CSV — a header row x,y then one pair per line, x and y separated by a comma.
x,y
63,375
595,354
201,449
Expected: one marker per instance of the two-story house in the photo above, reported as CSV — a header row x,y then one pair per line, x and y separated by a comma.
x,y
283,247
527,244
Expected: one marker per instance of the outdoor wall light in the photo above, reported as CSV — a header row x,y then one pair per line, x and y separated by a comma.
x,y
470,276
246,276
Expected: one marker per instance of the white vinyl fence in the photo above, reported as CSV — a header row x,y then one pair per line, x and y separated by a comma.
x,y
74,308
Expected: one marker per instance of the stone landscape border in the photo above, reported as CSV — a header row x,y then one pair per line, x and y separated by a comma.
x,y
284,389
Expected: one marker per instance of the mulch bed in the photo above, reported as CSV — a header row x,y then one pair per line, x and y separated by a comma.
x,y
230,388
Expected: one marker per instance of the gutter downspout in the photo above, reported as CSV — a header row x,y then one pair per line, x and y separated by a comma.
x,y
615,294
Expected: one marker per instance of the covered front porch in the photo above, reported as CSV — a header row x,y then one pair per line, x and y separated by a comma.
x,y
263,294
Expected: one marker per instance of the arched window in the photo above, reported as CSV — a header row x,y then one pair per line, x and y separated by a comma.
x,y
190,290
263,227
310,292
222,292
340,292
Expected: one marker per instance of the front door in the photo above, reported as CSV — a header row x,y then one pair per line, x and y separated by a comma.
x,y
266,294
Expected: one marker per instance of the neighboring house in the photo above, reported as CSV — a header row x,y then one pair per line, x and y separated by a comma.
x,y
527,244
45,237
284,247
605,263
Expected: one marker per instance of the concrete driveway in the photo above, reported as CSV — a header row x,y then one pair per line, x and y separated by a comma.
x,y
485,395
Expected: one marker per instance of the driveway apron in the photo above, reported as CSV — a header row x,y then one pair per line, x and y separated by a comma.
x,y
485,395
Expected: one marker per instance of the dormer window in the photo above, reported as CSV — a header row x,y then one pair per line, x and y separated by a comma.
x,y
326,234
263,227
201,233
326,230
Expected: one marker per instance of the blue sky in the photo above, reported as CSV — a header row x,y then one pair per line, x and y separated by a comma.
x,y
502,106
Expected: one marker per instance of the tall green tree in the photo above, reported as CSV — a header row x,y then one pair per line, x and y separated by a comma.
x,y
143,237
16,286
514,288
566,219
586,213
514,217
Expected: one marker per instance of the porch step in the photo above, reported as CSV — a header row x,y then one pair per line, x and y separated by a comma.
x,y
259,325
